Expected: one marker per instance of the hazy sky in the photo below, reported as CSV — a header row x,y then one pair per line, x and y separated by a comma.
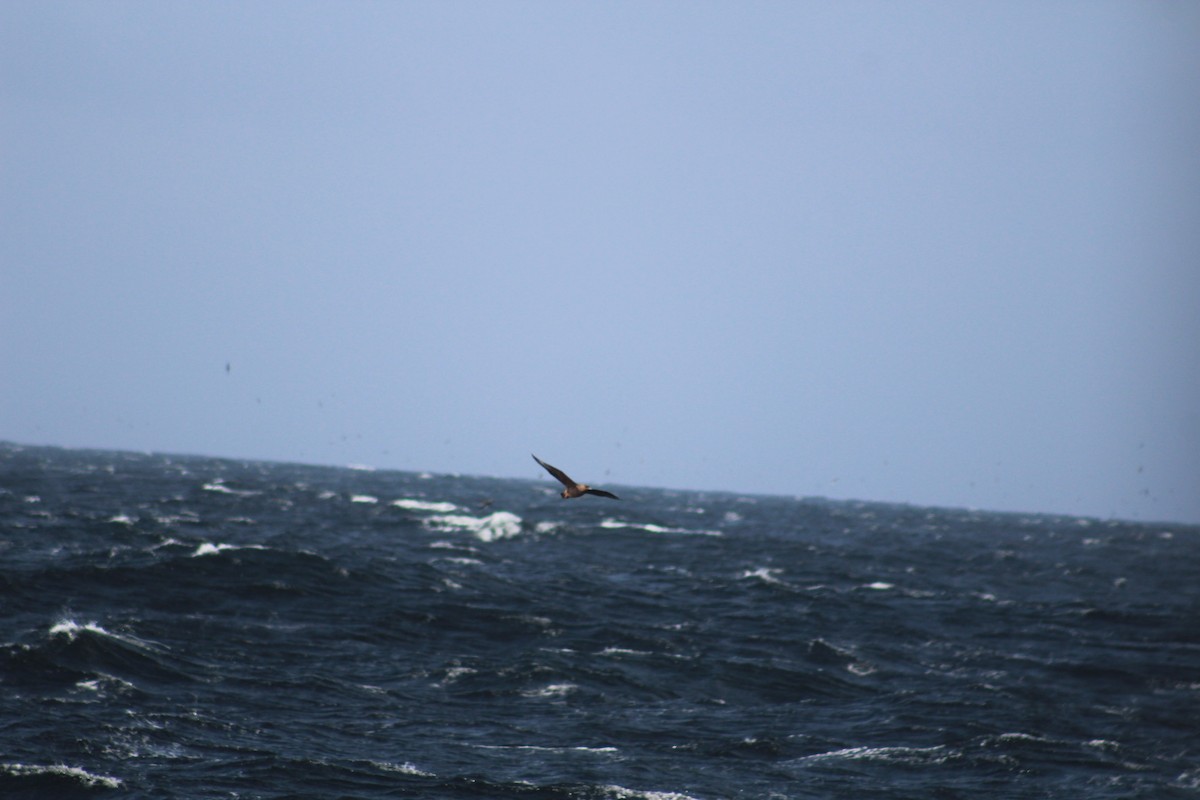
x,y
940,253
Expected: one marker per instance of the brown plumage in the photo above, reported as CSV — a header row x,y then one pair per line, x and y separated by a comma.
x,y
573,489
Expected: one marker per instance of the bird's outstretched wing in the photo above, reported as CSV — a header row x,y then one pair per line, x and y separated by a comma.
x,y
556,472
602,493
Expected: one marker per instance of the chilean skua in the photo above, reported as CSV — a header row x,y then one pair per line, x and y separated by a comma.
x,y
573,489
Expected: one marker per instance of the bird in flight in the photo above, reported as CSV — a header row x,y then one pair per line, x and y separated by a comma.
x,y
573,489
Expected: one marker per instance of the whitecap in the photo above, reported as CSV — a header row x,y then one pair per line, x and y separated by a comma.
x,y
83,776
1015,738
404,769
623,651
500,525
210,549
621,793
442,544
70,628
454,673
552,690
424,505
184,518
652,528
537,748
363,498
764,574
454,521
1103,744
170,541
122,519
219,487
880,586
465,562
105,680
903,755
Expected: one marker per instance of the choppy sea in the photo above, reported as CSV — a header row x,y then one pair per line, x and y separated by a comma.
x,y
185,627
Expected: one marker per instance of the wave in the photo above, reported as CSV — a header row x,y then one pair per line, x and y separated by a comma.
x,y
86,652
533,748
424,505
72,629
769,575
551,691
210,549
915,756
218,486
163,631
621,793
498,525
649,527
52,779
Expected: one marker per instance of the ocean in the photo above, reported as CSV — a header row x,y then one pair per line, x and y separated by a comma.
x,y
188,627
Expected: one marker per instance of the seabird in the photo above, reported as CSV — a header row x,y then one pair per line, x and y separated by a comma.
x,y
573,489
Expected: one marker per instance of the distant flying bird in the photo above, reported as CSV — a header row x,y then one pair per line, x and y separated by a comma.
x,y
573,489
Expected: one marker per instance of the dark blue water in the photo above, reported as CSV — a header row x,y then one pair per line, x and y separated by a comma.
x,y
198,628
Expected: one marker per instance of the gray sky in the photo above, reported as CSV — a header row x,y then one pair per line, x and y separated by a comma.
x,y
937,253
